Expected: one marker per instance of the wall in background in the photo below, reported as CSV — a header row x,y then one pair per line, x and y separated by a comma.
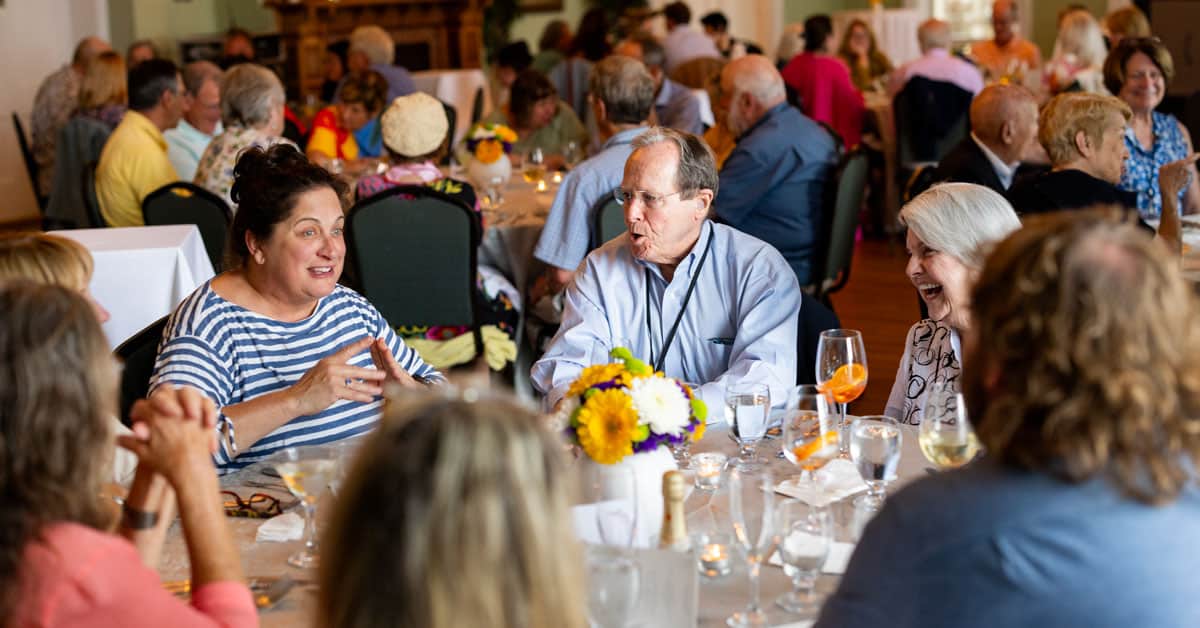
x,y
165,23
41,35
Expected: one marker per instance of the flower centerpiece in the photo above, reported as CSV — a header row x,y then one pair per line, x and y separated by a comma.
x,y
624,408
488,146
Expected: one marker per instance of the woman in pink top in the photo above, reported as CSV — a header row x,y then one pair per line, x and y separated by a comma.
x,y
58,564
822,82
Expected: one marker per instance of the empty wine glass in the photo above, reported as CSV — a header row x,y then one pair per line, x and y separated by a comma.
x,y
752,509
307,472
747,407
875,449
809,435
805,536
842,372
571,154
946,437
533,167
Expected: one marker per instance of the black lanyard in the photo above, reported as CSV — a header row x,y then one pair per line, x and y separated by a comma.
x,y
666,346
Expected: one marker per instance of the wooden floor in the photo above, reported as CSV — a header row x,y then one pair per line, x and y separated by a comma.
x,y
880,302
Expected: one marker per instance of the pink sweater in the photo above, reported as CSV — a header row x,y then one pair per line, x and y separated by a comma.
x,y
78,576
827,94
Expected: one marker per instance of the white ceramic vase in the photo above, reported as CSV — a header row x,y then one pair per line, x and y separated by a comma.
x,y
648,469
483,176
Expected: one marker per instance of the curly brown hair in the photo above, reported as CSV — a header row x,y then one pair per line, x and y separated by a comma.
x,y
57,396
1089,356
368,88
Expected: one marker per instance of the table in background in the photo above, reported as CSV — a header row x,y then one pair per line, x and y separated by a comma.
x,y
895,30
879,106
142,273
456,88
512,229
718,598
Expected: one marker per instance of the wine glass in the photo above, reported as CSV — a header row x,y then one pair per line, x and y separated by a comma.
x,y
572,154
875,449
805,536
613,576
307,472
842,371
946,436
533,167
747,407
809,436
752,508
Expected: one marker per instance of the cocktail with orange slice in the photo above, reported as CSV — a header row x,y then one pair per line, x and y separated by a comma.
x,y
810,437
842,372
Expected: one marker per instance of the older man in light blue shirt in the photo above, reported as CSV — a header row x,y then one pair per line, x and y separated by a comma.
x,y
700,301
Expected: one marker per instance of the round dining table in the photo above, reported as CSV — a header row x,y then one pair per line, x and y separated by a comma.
x,y
718,598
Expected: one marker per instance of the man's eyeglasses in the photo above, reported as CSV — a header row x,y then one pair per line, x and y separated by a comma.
x,y
257,506
653,201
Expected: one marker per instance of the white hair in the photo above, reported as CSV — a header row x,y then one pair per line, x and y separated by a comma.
x,y
960,219
755,75
375,43
250,93
933,34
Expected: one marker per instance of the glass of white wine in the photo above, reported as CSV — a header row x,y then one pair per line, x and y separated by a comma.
x,y
946,436
875,449
306,471
533,167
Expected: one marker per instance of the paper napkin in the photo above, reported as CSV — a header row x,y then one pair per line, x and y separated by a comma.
x,y
285,527
836,481
835,562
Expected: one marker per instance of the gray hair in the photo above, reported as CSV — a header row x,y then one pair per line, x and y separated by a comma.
x,y
625,88
653,54
933,34
375,43
197,73
757,76
697,169
961,220
249,93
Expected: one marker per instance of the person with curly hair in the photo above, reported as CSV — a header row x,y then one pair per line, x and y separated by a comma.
x,y
1083,385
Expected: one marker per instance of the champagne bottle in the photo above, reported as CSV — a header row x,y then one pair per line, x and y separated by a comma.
x,y
674,529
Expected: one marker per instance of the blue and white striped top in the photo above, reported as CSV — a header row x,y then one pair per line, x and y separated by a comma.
x,y
233,355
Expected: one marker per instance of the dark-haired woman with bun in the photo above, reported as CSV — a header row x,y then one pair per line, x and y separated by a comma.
x,y
289,356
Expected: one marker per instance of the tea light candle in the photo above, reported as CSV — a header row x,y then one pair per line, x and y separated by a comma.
x,y
714,560
557,177
541,185
708,468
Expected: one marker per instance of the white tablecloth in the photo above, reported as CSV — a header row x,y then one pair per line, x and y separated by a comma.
x,y
456,88
895,30
142,273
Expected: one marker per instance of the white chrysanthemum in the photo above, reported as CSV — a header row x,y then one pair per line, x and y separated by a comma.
x,y
660,404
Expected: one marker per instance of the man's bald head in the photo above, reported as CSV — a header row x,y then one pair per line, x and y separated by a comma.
x,y
1005,118
933,34
750,86
1004,15
87,49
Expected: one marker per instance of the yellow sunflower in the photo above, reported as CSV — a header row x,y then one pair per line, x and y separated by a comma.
x,y
598,374
607,422
699,432
505,134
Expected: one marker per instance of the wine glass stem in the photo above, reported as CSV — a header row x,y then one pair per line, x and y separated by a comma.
x,y
748,451
803,583
754,568
843,430
310,528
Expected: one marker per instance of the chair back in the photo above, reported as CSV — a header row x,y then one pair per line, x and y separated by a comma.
x,y
697,72
91,204
922,179
138,354
815,317
607,221
183,203
80,142
414,251
931,117
477,106
849,186
451,119
31,165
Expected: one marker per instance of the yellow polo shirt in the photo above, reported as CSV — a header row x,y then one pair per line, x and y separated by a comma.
x,y
132,165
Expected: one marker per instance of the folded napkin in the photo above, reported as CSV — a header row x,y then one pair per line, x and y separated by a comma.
x,y
286,527
835,562
836,481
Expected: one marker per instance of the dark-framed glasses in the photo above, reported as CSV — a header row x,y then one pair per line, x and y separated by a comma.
x,y
257,506
653,201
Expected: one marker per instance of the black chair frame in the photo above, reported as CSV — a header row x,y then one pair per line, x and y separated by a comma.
x,y
216,250
135,377
31,165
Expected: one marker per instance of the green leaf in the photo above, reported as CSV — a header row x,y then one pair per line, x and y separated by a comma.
x,y
699,409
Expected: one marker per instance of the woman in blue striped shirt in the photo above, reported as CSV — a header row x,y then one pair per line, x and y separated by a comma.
x,y
289,356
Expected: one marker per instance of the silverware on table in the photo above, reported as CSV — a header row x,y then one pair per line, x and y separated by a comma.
x,y
274,593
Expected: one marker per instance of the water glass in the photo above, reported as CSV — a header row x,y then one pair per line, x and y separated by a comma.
x,y
747,408
946,436
805,537
613,583
875,449
809,435
752,509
